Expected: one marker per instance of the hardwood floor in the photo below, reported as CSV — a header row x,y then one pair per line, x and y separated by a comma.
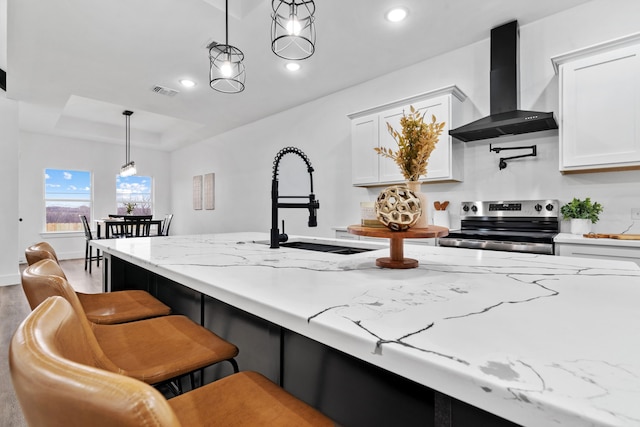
x,y
13,309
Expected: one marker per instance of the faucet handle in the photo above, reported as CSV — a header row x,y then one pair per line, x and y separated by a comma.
x,y
282,237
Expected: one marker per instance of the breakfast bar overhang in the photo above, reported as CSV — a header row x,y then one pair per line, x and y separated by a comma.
x,y
536,340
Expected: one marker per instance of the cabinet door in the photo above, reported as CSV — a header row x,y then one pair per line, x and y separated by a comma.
x,y
364,159
440,160
617,253
600,110
389,171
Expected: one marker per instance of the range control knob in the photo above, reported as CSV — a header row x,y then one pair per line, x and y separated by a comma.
x,y
538,207
474,208
549,207
465,208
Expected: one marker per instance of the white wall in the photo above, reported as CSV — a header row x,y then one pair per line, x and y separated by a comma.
x,y
38,152
3,35
9,143
242,158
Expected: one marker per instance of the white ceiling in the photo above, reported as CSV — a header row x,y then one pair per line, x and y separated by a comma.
x,y
75,65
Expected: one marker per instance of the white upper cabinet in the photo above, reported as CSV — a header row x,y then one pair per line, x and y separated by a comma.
x,y
600,106
364,160
369,130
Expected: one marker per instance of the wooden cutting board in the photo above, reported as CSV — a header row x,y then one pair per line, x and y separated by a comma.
x,y
613,236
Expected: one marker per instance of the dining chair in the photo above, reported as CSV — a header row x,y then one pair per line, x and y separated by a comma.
x,y
138,226
88,249
157,350
58,380
110,307
166,223
116,228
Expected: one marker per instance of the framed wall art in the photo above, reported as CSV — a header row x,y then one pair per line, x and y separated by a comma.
x,y
209,191
197,192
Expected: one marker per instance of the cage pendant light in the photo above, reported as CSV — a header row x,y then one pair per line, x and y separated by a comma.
x,y
129,168
293,31
226,69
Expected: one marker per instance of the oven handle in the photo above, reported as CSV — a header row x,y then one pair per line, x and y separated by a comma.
x,y
462,243
537,248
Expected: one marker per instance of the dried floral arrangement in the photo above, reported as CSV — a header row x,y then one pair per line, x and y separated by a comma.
x,y
415,144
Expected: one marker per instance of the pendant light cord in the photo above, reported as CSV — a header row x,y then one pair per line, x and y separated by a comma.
x,y
127,136
226,22
127,142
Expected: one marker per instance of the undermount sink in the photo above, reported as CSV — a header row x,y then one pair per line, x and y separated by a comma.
x,y
322,247
330,246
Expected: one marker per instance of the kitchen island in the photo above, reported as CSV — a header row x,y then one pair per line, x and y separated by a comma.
x,y
537,340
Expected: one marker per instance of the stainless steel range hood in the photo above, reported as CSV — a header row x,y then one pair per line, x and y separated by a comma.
x,y
505,118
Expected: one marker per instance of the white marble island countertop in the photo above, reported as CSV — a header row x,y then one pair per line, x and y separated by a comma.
x,y
538,340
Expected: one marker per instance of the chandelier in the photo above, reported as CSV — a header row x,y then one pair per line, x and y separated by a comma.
x,y
226,69
293,31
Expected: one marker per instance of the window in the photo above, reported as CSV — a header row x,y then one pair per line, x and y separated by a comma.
x,y
137,192
67,194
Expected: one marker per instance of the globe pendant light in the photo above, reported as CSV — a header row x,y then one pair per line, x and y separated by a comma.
x,y
293,31
129,168
226,69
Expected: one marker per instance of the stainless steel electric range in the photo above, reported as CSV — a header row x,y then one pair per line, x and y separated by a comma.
x,y
513,226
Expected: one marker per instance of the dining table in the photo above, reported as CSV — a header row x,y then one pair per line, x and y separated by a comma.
x,y
107,222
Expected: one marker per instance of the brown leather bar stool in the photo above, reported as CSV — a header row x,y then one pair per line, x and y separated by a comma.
x,y
58,382
156,350
106,308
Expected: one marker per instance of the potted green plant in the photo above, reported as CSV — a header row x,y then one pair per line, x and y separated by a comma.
x,y
582,214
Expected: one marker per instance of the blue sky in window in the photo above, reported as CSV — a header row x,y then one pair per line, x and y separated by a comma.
x,y
67,184
133,184
135,188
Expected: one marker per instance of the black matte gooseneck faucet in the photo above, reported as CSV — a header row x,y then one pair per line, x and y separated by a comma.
x,y
313,204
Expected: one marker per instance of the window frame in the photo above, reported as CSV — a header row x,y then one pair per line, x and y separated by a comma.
x,y
46,200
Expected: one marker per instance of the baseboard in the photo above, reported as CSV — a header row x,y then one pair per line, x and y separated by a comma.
x,y
10,279
64,256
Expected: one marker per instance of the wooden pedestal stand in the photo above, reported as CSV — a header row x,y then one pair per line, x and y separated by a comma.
x,y
397,259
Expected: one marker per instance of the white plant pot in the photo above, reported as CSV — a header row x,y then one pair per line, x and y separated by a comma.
x,y
580,226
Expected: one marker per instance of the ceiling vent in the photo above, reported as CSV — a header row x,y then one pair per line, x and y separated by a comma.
x,y
164,90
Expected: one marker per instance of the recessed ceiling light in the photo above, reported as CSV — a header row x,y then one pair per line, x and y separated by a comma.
x,y
292,66
187,83
397,14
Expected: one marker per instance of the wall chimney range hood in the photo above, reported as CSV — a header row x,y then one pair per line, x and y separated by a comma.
x,y
505,118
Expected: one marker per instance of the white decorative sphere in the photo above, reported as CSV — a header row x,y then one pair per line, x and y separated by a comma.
x,y
398,208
